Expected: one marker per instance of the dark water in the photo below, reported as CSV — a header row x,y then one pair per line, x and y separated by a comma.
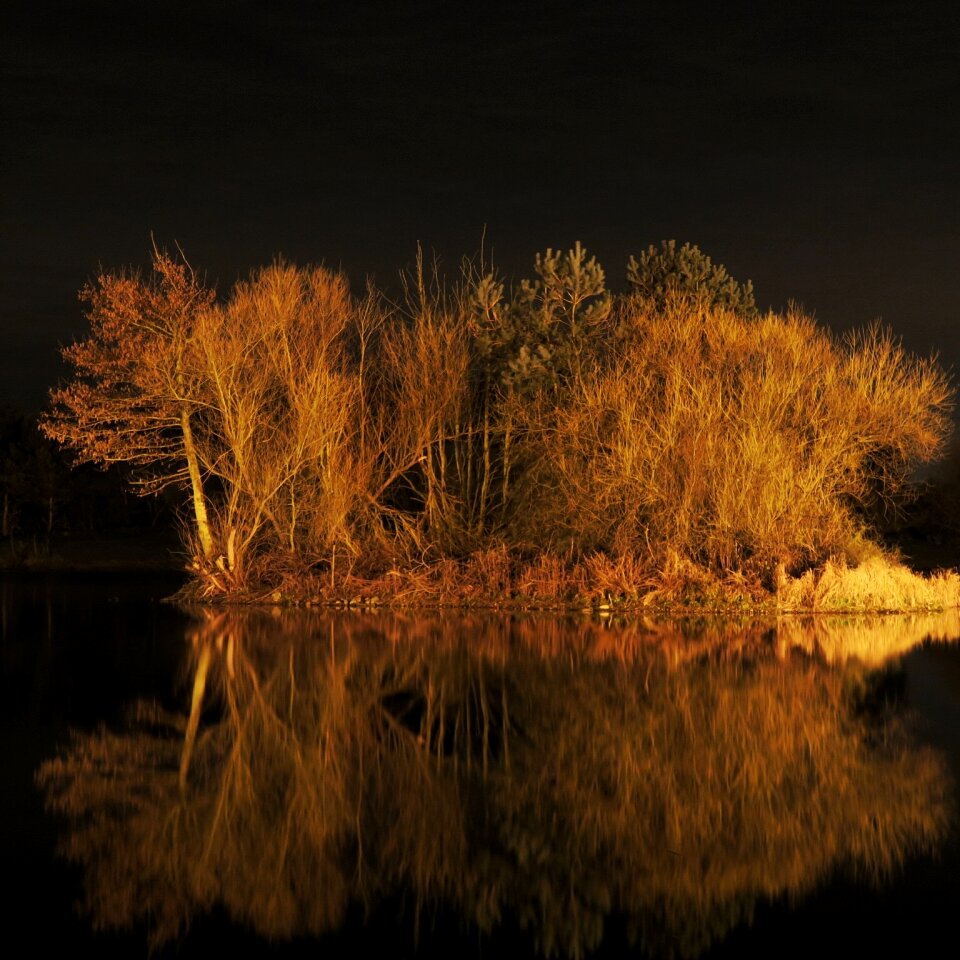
x,y
437,786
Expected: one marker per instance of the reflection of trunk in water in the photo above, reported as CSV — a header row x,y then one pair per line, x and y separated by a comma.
x,y
551,771
199,686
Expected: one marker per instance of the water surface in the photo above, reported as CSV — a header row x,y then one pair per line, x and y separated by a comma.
x,y
422,785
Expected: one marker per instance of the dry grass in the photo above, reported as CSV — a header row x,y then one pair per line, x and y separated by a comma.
x,y
497,578
878,583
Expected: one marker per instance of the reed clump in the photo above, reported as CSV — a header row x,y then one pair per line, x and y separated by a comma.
x,y
551,445
877,583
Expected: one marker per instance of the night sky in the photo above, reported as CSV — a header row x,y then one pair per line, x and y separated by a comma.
x,y
810,150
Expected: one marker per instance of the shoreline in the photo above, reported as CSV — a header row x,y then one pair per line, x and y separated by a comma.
x,y
495,580
133,552
601,586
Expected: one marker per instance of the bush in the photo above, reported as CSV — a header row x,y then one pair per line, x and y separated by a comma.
x,y
671,430
740,444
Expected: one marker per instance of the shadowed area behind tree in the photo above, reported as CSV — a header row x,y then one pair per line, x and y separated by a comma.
x,y
55,513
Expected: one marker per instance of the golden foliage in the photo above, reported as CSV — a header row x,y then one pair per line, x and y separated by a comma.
x,y
326,435
740,444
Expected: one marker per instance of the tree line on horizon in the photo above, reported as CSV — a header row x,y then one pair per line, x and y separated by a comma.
x,y
44,496
311,429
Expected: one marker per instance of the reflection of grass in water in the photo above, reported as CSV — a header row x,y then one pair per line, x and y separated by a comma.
x,y
871,640
535,769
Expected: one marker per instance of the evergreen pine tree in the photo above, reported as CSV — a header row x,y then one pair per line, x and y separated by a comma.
x,y
688,270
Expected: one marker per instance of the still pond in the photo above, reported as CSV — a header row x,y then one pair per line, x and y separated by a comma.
x,y
301,782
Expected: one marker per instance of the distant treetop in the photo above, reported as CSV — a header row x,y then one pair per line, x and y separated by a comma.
x,y
688,270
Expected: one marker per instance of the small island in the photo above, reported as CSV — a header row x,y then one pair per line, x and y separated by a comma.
x,y
552,445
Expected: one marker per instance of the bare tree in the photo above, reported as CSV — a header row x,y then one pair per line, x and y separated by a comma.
x,y
137,395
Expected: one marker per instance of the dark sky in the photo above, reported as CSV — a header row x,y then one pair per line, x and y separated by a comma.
x,y
810,150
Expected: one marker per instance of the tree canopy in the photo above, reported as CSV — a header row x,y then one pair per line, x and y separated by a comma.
x,y
310,424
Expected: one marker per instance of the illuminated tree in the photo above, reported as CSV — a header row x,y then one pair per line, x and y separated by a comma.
x,y
137,395
296,405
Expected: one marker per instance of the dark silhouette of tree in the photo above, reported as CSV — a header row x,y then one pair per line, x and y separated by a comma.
x,y
540,336
668,269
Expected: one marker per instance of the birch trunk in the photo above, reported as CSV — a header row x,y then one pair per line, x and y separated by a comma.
x,y
196,486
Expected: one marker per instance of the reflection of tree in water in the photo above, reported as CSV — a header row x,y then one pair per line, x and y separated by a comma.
x,y
549,773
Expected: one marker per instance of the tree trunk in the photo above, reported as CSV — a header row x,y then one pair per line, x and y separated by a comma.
x,y
196,486
487,467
